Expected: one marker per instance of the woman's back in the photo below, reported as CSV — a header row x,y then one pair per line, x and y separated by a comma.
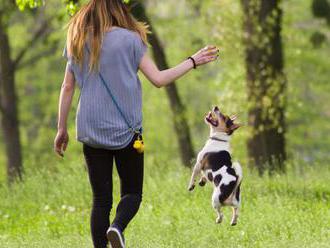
x,y
98,121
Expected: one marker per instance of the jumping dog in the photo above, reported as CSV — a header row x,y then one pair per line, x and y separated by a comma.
x,y
215,165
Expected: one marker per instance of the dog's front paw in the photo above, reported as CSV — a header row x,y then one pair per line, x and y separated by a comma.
x,y
191,187
202,182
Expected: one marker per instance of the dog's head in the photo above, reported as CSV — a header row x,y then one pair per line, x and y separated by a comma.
x,y
220,122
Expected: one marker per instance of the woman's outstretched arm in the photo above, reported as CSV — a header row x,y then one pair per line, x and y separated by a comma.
x,y
165,77
67,91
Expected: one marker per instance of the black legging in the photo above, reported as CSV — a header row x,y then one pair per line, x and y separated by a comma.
x,y
129,165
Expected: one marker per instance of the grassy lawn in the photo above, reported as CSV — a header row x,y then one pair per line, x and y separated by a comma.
x,y
51,209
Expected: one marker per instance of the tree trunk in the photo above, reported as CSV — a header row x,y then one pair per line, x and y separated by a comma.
x,y
266,83
8,107
180,120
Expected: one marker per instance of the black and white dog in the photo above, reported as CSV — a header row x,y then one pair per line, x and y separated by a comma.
x,y
215,165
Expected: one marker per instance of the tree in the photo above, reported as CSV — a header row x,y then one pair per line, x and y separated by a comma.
x,y
9,65
180,120
266,83
8,101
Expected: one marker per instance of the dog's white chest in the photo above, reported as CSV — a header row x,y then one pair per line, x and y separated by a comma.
x,y
213,146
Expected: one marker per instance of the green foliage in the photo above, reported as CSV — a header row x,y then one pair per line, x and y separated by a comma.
x,y
22,4
317,39
308,74
72,6
321,8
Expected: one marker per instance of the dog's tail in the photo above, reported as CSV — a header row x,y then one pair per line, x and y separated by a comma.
x,y
238,169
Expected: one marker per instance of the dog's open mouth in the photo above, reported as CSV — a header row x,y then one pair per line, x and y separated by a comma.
x,y
210,119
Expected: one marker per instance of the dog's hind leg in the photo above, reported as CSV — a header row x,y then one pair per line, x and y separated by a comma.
x,y
217,206
220,215
236,206
235,216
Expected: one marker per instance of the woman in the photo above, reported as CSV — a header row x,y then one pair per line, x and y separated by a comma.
x,y
105,49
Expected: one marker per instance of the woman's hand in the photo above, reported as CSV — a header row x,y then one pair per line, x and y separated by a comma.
x,y
165,77
205,55
61,142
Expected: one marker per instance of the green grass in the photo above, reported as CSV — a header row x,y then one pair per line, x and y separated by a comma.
x,y
51,209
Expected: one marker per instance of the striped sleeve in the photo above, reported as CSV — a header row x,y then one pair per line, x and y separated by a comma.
x,y
69,60
139,49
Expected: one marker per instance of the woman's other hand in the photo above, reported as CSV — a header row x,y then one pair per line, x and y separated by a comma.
x,y
61,142
67,91
205,55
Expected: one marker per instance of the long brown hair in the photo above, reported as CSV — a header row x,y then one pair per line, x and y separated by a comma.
x,y
92,21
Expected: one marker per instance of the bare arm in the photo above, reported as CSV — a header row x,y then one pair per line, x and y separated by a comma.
x,y
165,77
65,100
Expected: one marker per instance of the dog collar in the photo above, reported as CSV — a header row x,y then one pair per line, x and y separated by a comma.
x,y
217,139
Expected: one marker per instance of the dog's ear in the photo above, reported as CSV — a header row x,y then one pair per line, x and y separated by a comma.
x,y
233,117
235,126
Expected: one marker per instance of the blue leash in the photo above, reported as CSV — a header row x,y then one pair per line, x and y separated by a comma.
x,y
136,131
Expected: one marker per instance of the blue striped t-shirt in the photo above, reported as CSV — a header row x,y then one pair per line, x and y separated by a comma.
x,y
98,121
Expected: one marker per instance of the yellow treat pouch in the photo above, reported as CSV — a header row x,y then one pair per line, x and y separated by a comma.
x,y
139,145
